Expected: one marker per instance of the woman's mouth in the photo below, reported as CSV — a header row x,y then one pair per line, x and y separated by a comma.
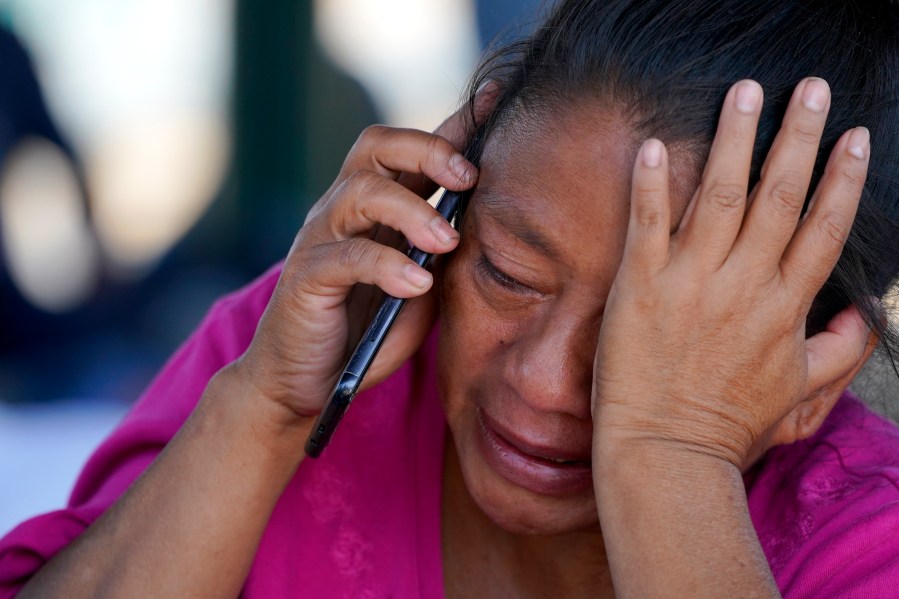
x,y
540,469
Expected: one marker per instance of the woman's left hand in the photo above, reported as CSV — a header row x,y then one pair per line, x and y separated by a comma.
x,y
702,361
703,339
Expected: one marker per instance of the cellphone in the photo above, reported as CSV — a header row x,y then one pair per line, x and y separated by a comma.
x,y
450,207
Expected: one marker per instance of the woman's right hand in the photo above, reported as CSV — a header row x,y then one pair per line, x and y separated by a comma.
x,y
353,234
190,525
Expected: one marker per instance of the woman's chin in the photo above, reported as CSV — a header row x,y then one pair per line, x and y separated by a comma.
x,y
534,518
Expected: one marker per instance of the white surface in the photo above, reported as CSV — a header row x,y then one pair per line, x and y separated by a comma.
x,y
42,450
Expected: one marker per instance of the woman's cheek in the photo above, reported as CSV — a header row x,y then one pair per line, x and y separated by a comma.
x,y
473,308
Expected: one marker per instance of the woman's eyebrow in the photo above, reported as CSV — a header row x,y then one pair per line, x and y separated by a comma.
x,y
506,212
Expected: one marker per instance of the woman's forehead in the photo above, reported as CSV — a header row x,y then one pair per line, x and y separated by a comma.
x,y
573,136
557,189
581,118
557,147
580,158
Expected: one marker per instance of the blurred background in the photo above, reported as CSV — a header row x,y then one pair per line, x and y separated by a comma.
x,y
156,154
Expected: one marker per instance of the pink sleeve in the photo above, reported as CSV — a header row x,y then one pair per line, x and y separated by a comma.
x,y
223,335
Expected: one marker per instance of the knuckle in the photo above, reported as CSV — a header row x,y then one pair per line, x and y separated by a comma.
x,y
348,200
806,133
315,211
650,217
834,226
374,132
726,196
340,190
362,182
645,189
650,220
787,196
855,177
315,261
355,252
348,252
371,136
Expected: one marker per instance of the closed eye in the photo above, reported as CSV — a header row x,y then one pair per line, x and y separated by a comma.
x,y
489,270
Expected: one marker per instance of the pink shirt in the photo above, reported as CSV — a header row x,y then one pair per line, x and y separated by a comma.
x,y
363,521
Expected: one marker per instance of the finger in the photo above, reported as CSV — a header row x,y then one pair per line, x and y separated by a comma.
x,y
836,351
720,201
817,245
461,125
366,199
458,130
649,227
389,152
332,269
778,199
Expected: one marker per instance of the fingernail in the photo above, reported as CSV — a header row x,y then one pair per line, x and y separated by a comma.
x,y
484,99
460,167
859,140
748,96
814,95
418,277
444,232
485,85
652,153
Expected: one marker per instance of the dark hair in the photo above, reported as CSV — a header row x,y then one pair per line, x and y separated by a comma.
x,y
667,64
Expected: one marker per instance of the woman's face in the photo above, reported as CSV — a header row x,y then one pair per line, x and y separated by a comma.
x,y
523,302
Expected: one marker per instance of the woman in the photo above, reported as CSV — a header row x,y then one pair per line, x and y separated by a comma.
x,y
641,376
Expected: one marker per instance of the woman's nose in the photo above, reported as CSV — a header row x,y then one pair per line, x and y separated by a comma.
x,y
551,366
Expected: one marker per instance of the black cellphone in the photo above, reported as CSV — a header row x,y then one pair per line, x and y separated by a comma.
x,y
450,207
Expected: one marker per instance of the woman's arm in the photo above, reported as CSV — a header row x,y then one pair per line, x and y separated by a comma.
x,y
676,524
702,362
188,527
191,524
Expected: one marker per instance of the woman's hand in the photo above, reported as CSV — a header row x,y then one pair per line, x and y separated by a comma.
x,y
703,339
191,524
354,234
702,353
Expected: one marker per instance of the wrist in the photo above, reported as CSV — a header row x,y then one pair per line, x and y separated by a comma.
x,y
233,396
620,456
686,428
676,521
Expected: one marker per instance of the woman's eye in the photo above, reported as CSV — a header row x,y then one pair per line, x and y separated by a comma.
x,y
497,276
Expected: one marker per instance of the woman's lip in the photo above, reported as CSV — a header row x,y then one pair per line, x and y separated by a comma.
x,y
529,470
534,449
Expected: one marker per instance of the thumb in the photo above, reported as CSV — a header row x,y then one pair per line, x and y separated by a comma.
x,y
840,350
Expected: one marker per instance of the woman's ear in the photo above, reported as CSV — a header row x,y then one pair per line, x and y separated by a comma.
x,y
807,417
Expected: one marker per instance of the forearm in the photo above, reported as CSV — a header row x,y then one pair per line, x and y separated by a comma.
x,y
191,524
676,524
